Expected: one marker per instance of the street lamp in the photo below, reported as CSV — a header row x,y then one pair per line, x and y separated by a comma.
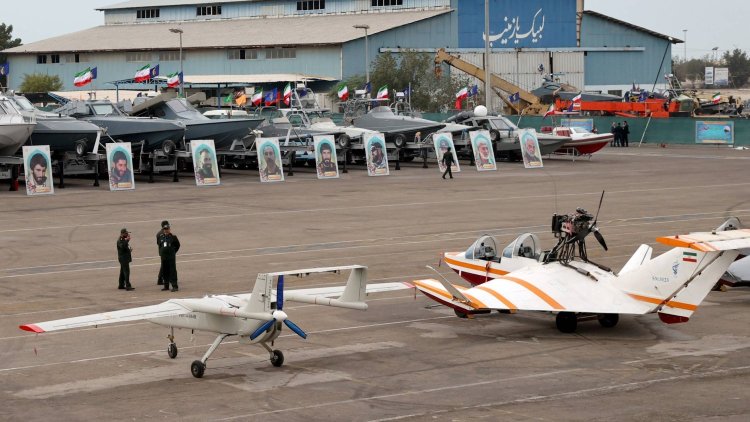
x,y
367,51
715,49
684,40
182,75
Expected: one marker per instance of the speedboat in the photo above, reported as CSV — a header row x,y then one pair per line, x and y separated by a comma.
x,y
504,133
151,133
61,133
398,129
15,128
197,126
279,125
581,140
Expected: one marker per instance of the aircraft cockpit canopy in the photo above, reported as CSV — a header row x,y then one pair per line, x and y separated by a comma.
x,y
484,248
526,245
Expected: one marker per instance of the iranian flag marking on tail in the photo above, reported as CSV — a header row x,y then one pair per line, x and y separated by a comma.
x,y
257,97
83,77
716,99
689,256
143,74
382,92
288,94
173,79
343,93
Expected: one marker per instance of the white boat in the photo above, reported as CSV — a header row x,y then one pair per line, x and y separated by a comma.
x,y
15,128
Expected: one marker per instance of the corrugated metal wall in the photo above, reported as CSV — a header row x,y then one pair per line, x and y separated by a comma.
x,y
272,8
620,69
521,68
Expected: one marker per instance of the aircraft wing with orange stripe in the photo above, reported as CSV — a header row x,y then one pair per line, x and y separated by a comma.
x,y
710,241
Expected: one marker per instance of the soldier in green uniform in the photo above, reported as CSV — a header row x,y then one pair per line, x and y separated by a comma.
x,y
168,247
124,257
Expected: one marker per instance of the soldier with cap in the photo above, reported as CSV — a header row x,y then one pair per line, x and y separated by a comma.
x,y
160,277
124,257
168,247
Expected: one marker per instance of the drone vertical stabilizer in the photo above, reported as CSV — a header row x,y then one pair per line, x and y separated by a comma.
x,y
260,300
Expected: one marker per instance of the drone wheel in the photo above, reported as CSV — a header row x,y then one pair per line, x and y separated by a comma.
x,y
566,322
608,320
460,314
197,368
277,358
172,350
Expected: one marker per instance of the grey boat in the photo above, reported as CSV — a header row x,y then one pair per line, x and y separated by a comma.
x,y
197,126
398,129
61,133
152,132
504,134
15,128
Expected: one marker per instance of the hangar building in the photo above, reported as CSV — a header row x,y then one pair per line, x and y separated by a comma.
x,y
263,41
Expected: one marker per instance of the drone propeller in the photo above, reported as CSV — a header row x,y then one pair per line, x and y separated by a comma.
x,y
595,229
278,315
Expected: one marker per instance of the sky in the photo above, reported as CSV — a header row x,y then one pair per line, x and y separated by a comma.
x,y
707,27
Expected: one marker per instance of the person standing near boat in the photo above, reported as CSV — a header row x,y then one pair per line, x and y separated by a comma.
x,y
625,131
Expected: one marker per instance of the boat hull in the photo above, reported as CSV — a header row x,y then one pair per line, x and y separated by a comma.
x,y
13,135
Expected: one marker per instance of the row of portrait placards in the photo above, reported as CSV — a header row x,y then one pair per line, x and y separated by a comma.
x,y
39,179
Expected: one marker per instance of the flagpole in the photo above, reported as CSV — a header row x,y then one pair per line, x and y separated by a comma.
x,y
487,76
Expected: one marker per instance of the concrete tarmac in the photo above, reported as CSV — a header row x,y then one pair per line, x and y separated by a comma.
x,y
405,358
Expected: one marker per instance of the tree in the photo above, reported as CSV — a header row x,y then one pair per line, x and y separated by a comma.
x,y
39,82
739,67
429,92
6,41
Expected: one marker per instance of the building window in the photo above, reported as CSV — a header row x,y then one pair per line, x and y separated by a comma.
x,y
41,59
76,58
387,3
311,5
171,56
281,53
208,10
138,56
242,54
146,13
54,58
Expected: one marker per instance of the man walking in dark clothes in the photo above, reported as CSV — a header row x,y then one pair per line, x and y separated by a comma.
x,y
448,162
124,256
625,131
614,135
160,277
168,247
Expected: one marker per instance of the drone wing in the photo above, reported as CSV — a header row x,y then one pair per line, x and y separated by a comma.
x,y
164,309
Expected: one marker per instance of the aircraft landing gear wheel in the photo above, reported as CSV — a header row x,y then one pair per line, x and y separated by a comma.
x,y
460,314
608,320
197,368
172,350
566,322
277,358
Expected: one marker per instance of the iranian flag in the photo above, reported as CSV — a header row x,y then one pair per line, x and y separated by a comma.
x,y
460,96
343,93
288,94
173,79
551,110
689,257
143,74
84,77
716,98
257,97
382,92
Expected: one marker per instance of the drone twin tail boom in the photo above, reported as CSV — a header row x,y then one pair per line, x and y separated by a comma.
x,y
255,318
672,284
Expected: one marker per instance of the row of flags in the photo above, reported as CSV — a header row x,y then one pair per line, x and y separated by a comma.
x,y
383,91
143,74
259,97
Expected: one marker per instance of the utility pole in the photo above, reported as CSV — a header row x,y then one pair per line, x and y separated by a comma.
x,y
487,74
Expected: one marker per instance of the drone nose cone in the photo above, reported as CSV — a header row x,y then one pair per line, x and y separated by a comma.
x,y
279,315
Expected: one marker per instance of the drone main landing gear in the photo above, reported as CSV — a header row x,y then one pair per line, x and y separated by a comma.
x,y
567,322
198,367
277,358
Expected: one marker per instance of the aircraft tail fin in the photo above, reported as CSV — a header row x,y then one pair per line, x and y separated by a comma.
x,y
446,293
641,255
676,282
260,300
356,286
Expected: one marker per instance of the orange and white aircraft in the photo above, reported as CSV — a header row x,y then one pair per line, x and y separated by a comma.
x,y
559,281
